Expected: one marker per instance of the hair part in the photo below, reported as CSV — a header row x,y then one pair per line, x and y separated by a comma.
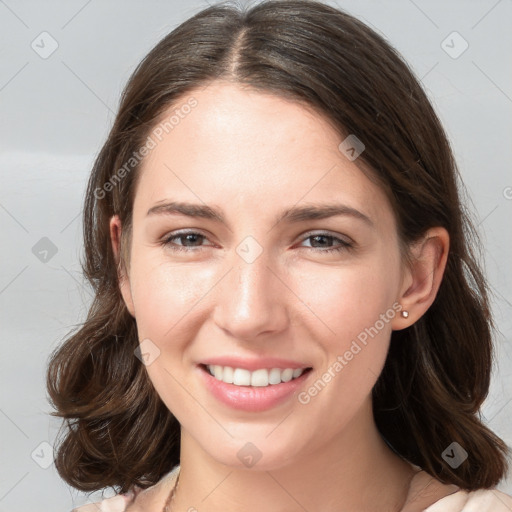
x,y
117,431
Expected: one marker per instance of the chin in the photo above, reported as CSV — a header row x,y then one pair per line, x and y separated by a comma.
x,y
255,455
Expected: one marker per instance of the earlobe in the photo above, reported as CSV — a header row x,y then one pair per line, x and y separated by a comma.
x,y
122,274
424,276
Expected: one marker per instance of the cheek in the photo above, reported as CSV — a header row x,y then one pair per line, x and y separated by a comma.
x,y
164,294
350,315
349,312
346,300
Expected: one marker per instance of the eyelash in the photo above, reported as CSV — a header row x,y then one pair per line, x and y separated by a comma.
x,y
343,245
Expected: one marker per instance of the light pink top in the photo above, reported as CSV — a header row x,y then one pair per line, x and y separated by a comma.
x,y
422,490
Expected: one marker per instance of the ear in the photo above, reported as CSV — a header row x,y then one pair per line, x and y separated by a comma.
x,y
122,274
423,277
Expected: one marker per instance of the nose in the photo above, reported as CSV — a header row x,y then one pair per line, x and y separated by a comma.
x,y
251,301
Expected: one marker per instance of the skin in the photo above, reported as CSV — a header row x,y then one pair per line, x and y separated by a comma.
x,y
253,155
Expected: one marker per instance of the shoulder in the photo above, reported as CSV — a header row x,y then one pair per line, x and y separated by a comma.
x,y
430,495
118,503
483,500
135,498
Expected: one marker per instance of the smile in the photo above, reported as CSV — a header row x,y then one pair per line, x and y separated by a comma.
x,y
258,378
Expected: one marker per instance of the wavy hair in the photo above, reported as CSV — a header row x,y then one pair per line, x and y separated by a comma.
x,y
116,430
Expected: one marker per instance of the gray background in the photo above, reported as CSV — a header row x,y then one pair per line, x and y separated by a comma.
x,y
55,113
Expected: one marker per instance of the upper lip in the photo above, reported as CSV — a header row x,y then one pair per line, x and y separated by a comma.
x,y
253,364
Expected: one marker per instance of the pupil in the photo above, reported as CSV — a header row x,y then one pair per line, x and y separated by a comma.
x,y
324,237
190,237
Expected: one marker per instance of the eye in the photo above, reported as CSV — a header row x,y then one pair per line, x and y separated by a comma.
x,y
193,241
325,240
189,241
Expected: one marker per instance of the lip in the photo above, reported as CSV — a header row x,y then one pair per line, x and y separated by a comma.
x,y
248,398
254,364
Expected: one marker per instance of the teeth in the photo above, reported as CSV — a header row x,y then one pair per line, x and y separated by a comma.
x,y
257,378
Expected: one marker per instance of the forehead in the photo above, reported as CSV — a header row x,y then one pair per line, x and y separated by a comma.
x,y
240,145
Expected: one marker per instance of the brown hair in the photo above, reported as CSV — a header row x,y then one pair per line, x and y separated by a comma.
x,y
117,430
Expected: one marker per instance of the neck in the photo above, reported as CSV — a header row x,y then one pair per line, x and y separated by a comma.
x,y
355,470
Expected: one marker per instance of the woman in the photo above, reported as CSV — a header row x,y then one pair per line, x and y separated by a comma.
x,y
288,313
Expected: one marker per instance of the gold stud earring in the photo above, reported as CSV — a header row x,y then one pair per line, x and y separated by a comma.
x,y
404,313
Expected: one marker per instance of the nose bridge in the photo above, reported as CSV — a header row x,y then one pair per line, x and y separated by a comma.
x,y
253,281
252,299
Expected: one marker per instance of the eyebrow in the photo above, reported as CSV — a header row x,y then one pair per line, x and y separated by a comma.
x,y
291,215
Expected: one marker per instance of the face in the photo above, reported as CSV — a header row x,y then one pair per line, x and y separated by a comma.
x,y
254,270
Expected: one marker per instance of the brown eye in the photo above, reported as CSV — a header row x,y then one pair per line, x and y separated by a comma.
x,y
188,240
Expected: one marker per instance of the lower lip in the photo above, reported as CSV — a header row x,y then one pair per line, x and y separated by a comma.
x,y
249,398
